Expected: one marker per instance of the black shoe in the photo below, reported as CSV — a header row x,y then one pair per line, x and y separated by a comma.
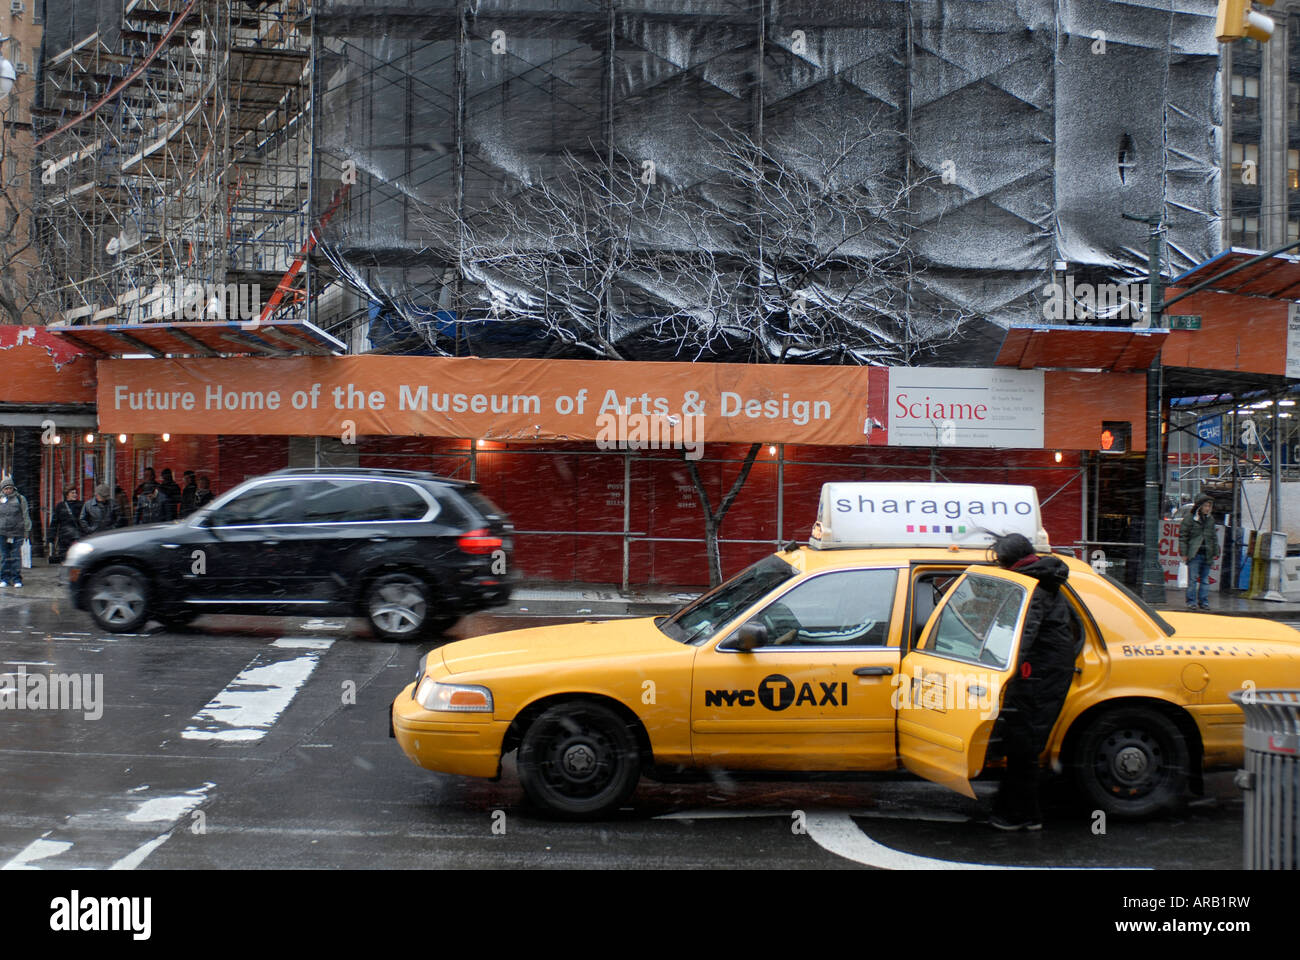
x,y
1004,823
1191,606
1205,606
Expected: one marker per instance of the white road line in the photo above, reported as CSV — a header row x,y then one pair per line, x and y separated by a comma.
x,y
838,834
169,809
37,850
140,853
251,703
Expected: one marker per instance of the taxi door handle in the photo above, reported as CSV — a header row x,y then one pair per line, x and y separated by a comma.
x,y
976,691
873,671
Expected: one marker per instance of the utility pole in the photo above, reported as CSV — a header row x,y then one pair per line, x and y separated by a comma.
x,y
1153,575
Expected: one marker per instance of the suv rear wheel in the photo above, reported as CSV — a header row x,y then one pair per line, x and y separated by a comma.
x,y
118,598
397,605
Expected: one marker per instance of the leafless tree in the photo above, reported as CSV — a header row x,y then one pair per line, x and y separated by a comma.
x,y
17,256
799,244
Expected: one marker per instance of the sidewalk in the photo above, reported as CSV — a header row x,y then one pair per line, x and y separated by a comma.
x,y
549,599
533,597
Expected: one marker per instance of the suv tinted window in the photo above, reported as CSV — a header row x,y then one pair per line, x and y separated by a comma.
x,y
266,503
392,501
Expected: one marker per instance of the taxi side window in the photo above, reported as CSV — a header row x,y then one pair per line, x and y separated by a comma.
x,y
979,622
848,608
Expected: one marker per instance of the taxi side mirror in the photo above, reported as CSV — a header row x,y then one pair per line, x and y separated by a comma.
x,y
750,635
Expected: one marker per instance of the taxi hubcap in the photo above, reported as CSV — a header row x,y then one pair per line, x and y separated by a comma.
x,y
579,761
1131,763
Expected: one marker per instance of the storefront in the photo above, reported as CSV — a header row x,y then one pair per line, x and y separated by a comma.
x,y
559,444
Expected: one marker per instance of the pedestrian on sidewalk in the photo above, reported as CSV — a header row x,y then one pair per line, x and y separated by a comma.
x,y
1198,547
172,491
15,526
65,524
100,513
203,495
152,507
1037,690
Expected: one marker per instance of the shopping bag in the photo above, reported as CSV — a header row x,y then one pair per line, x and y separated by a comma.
x,y
1182,576
27,554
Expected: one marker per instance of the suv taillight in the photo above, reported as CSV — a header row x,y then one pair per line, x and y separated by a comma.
x,y
479,541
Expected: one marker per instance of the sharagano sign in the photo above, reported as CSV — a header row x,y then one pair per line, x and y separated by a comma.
x,y
483,398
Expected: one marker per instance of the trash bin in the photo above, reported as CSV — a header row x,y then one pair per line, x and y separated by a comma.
x,y
1271,780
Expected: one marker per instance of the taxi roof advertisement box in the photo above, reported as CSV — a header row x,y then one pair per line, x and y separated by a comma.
x,y
926,515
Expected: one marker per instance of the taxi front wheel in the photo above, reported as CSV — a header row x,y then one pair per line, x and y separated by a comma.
x,y
1132,762
578,760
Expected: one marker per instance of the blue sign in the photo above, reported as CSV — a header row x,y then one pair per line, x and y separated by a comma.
x,y
1209,431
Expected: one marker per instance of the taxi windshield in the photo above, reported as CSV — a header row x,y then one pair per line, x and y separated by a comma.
x,y
698,619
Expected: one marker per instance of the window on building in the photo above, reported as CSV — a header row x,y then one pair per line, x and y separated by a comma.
x,y
1292,231
1293,103
1245,163
1245,86
1293,169
1245,232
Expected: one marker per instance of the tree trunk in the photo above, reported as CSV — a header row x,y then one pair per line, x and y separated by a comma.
x,y
713,521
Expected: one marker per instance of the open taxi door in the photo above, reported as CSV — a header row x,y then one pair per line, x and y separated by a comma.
x,y
951,685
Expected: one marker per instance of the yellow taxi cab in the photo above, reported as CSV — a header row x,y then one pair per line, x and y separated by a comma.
x,y
884,642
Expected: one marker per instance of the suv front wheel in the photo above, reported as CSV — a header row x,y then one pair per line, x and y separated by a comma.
x,y
118,598
397,605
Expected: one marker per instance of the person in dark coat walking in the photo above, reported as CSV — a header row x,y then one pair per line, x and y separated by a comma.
x,y
172,491
152,506
1037,691
188,503
65,524
1198,545
100,513
203,496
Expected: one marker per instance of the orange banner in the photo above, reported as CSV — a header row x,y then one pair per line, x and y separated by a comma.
x,y
656,405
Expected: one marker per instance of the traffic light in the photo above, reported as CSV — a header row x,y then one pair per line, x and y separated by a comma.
x,y
1115,436
1237,20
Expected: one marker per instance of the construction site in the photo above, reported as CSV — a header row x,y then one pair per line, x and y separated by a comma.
x,y
409,177
175,165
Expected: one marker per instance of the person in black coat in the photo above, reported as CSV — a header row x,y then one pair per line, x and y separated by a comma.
x,y
1037,691
65,524
172,491
101,512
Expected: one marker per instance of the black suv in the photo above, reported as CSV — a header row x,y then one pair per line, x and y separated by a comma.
x,y
411,552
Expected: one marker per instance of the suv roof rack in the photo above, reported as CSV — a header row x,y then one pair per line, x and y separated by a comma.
x,y
371,472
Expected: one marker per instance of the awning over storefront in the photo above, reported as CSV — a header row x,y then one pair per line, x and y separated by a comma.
x,y
1110,349
1277,277
203,338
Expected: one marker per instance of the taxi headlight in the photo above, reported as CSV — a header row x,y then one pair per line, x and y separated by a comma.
x,y
77,554
453,697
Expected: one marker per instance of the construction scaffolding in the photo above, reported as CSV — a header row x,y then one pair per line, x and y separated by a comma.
x,y
174,161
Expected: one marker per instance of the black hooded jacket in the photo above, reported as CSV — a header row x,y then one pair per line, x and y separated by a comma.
x,y
1048,640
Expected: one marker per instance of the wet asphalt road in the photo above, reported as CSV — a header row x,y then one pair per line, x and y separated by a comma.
x,y
321,785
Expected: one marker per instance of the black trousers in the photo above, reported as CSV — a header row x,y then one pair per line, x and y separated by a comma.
x,y
1029,711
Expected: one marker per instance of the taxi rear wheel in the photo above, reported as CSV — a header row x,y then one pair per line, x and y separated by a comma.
x,y
1132,762
578,760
